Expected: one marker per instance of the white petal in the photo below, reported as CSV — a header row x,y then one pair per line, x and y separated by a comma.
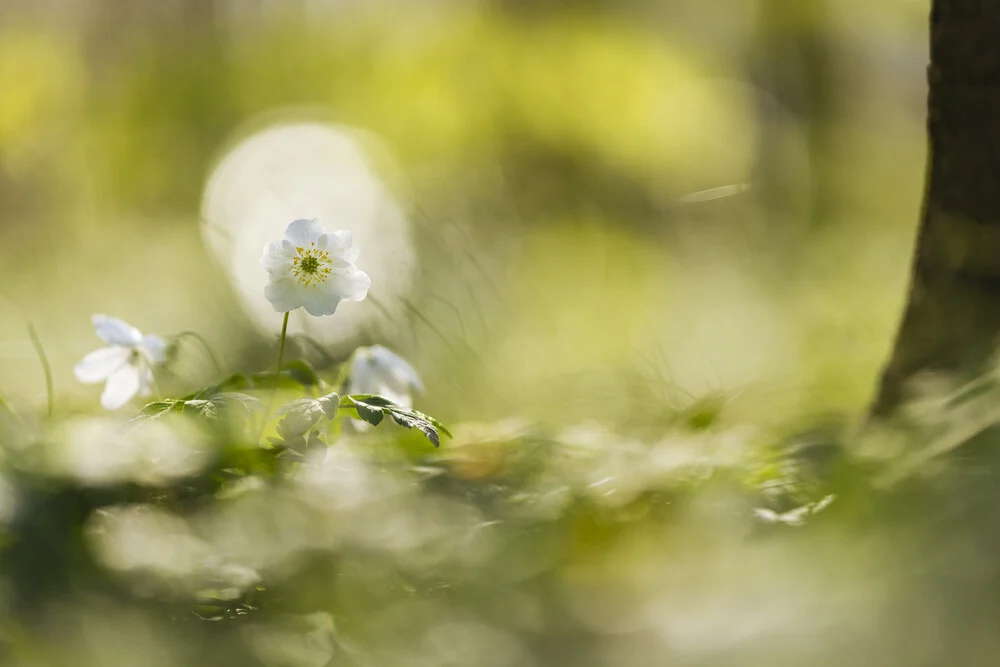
x,y
351,286
145,380
303,232
115,332
398,367
341,244
389,386
99,364
121,387
277,257
400,397
362,372
318,302
342,238
324,298
341,265
284,294
154,348
369,377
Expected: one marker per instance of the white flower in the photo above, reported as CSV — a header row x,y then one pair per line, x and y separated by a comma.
x,y
376,370
126,364
313,269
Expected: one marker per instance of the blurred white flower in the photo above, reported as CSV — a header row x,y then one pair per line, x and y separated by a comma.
x,y
103,450
126,363
313,269
376,370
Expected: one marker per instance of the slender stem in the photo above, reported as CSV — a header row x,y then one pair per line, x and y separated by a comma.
x,y
277,376
208,348
281,350
40,351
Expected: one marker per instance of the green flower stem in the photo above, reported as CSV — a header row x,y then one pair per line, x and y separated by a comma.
x,y
281,350
277,375
40,351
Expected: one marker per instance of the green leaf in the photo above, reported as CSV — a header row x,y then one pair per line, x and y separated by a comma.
x,y
330,404
436,423
267,380
235,382
234,403
294,374
372,408
421,425
302,372
200,407
156,410
371,414
298,417
227,404
374,399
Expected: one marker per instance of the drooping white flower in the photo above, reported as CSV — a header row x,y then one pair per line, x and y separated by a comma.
x,y
376,370
126,364
313,269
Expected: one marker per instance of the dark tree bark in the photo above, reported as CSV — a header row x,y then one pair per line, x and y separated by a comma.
x,y
952,320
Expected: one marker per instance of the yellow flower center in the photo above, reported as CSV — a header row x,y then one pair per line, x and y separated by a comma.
x,y
311,266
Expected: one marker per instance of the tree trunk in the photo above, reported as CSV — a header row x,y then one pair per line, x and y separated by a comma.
x,y
952,320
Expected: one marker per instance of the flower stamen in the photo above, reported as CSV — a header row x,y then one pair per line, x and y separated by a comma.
x,y
311,266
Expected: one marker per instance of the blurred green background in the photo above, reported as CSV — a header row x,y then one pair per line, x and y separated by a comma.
x,y
542,151
633,248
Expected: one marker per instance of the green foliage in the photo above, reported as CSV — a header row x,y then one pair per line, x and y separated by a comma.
x,y
289,539
372,409
300,422
662,536
224,405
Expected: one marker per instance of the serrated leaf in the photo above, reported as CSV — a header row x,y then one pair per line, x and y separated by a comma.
x,y
159,407
374,399
434,422
371,408
298,417
330,404
371,414
423,426
219,405
301,415
231,400
201,407
156,410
